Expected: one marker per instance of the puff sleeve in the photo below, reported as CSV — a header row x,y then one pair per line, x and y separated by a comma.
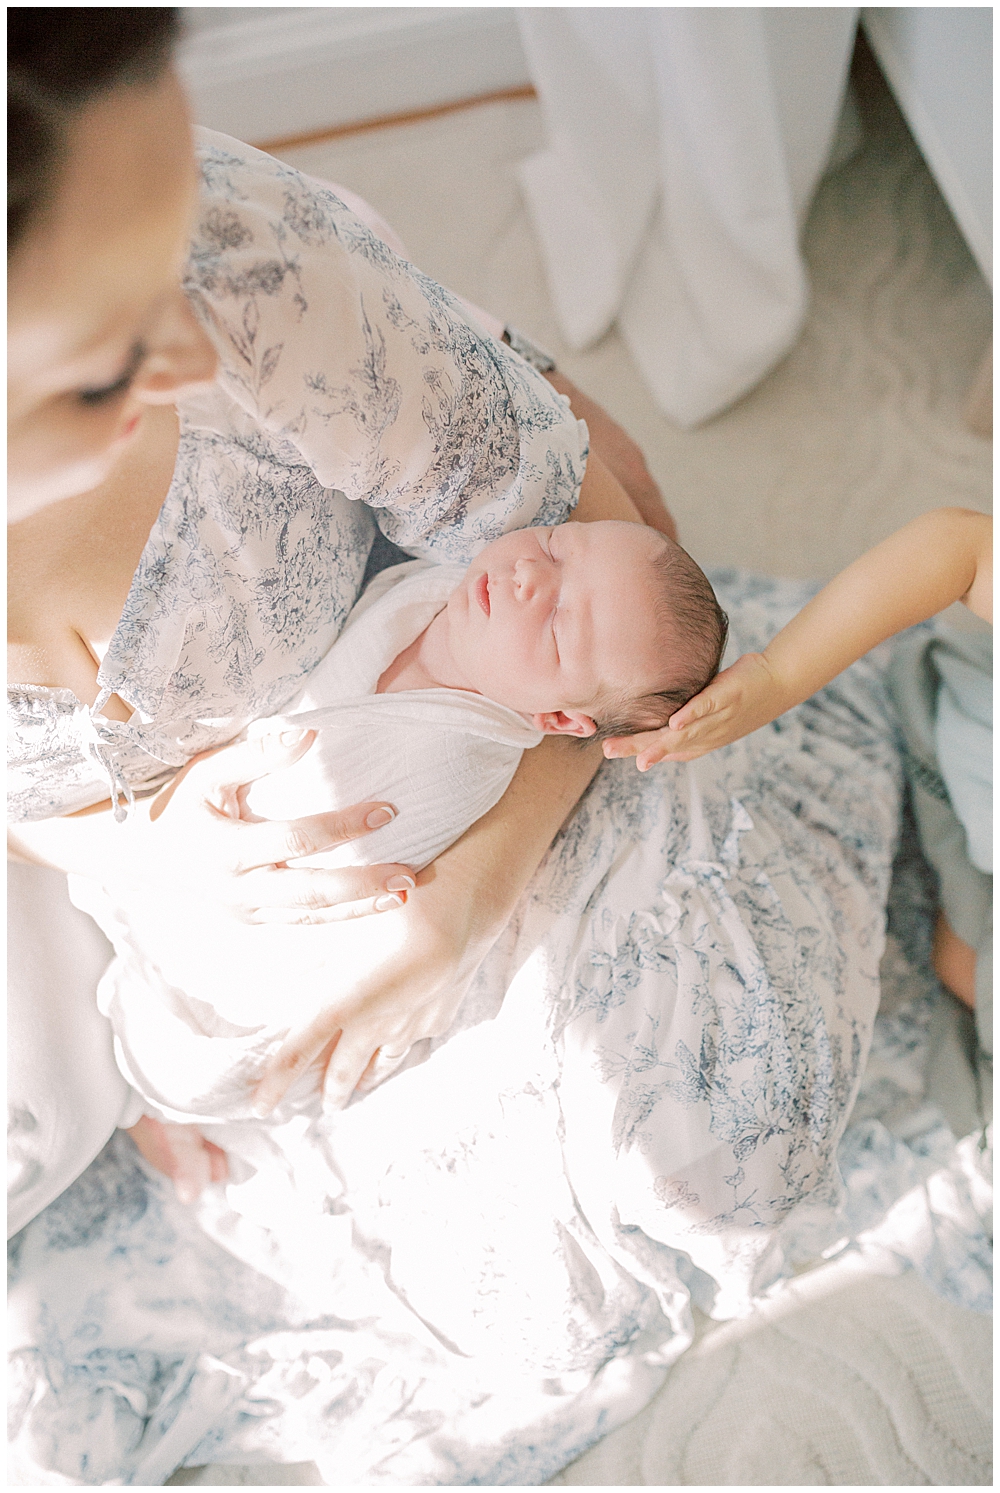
x,y
372,372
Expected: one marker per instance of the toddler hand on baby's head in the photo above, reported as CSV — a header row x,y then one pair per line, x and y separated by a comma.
x,y
738,701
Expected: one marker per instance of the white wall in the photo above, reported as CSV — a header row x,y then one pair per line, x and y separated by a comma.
x,y
264,73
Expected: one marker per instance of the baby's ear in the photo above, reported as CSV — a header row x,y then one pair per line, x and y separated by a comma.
x,y
564,723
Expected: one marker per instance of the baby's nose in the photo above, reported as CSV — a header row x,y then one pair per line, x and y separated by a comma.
x,y
530,580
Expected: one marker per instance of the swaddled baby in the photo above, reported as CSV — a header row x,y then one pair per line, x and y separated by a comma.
x,y
440,679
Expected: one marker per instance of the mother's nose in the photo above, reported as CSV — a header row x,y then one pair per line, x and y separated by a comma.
x,y
180,356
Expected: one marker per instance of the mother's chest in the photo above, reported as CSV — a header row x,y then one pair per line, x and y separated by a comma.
x,y
71,565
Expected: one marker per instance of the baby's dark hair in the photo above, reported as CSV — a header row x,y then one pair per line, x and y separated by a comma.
x,y
694,629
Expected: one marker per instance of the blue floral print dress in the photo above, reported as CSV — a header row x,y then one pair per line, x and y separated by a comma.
x,y
353,394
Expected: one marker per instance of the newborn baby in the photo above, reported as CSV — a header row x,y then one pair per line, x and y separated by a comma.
x,y
440,679
586,629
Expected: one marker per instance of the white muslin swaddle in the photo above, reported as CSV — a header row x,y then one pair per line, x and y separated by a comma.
x,y
197,1000
443,757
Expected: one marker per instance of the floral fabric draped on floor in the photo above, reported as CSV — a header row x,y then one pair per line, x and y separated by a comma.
x,y
489,1262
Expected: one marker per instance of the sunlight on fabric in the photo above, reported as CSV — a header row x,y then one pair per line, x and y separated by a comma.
x,y
214,1006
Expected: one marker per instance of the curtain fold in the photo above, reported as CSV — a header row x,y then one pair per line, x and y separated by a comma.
x,y
684,147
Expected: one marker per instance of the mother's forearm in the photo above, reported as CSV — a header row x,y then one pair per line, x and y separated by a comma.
x,y
462,902
484,873
602,496
620,456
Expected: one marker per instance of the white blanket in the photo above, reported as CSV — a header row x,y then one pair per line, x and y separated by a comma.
x,y
442,757
196,1015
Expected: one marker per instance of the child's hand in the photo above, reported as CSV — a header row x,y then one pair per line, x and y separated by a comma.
x,y
737,701
182,1153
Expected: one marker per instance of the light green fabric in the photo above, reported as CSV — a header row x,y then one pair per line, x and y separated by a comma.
x,y
952,801
963,734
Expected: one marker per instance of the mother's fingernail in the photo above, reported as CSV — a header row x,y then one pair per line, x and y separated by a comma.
x,y
387,904
379,817
400,884
292,738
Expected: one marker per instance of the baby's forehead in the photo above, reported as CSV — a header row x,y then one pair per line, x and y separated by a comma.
x,y
636,543
636,552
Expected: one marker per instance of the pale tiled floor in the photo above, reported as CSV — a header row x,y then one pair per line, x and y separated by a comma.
x,y
857,431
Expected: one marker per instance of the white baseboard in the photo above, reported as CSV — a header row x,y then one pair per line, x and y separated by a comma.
x,y
272,74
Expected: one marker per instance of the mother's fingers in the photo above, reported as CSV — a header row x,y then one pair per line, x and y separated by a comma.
x,y
269,842
629,746
300,1049
349,1058
381,1065
348,1062
289,895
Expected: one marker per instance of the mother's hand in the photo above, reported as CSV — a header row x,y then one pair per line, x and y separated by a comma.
x,y
190,841
412,984
197,835
409,987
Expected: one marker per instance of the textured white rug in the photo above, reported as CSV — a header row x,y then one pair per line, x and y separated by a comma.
x,y
847,1379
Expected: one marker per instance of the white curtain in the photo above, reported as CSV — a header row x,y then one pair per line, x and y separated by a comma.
x,y
684,147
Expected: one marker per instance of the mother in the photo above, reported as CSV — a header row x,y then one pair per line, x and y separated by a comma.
x,y
173,576
643,1093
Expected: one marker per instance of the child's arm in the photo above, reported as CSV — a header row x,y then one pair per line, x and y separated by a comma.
x,y
942,557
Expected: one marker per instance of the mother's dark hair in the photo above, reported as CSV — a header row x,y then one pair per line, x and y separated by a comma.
x,y
58,62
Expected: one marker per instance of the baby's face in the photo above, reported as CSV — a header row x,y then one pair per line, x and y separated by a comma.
x,y
551,622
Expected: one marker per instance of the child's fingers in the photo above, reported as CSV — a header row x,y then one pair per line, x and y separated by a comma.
x,y
191,1170
649,747
629,746
684,746
217,1162
725,693
663,753
619,746
661,747
695,710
